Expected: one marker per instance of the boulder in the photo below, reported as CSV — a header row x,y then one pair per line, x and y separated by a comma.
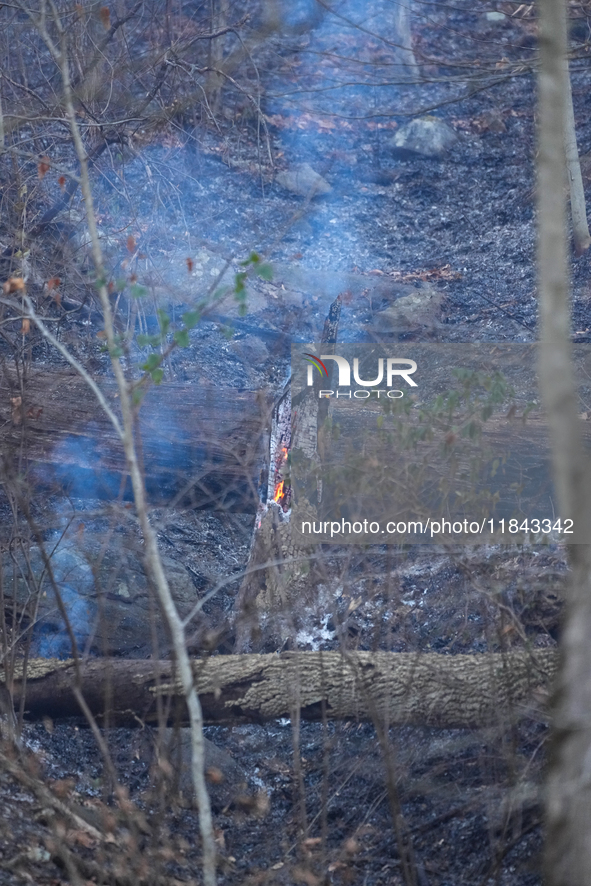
x,y
302,180
420,308
495,18
424,136
104,590
169,754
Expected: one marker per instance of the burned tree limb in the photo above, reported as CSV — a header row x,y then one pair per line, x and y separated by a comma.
x,y
398,688
278,567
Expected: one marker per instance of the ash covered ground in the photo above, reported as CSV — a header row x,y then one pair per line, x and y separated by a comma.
x,y
461,226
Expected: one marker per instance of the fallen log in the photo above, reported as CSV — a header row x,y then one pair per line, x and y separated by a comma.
x,y
200,442
446,691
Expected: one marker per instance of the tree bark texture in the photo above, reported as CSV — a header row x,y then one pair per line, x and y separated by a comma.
x,y
396,688
568,805
578,208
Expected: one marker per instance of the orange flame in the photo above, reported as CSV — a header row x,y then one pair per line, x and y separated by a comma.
x,y
278,491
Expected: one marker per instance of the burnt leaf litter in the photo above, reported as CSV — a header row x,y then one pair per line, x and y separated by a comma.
x,y
198,199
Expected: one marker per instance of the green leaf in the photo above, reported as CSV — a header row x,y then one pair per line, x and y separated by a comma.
x,y
253,259
163,320
240,283
137,291
265,271
152,363
181,337
157,376
191,319
137,396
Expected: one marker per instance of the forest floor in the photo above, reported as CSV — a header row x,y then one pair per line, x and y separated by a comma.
x,y
309,804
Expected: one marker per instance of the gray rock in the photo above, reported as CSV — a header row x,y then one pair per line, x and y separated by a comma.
x,y
421,308
104,590
302,180
251,349
491,20
495,17
426,136
171,754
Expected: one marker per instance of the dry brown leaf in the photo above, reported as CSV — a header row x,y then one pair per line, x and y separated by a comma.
x,y
17,410
189,265
43,167
82,838
166,768
303,875
25,326
52,287
105,15
214,775
131,243
63,787
13,284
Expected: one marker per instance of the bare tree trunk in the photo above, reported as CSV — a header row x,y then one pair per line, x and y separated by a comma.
x,y
581,237
444,691
215,80
568,850
399,28
278,566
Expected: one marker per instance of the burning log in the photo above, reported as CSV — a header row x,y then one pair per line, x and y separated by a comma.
x,y
446,691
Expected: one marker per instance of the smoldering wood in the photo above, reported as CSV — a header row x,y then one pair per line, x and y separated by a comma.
x,y
278,568
428,689
202,443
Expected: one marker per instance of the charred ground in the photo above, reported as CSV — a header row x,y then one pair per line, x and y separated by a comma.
x,y
464,224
